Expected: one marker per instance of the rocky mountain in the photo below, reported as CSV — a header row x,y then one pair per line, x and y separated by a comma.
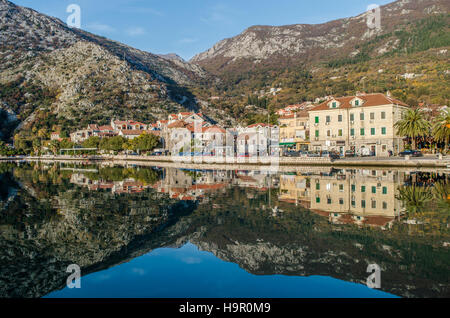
x,y
56,74
312,43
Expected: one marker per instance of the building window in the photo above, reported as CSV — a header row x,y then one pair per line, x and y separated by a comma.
x,y
384,190
363,204
340,118
374,190
356,102
334,104
341,201
385,205
372,116
372,131
329,200
383,115
317,199
353,188
362,131
341,187
328,119
352,132
361,116
340,132
317,119
353,202
317,186
352,117
363,189
317,133
374,204
383,130
328,133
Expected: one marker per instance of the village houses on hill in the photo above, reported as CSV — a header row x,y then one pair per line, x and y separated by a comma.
x,y
360,123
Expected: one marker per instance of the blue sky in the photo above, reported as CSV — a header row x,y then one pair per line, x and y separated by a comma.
x,y
192,26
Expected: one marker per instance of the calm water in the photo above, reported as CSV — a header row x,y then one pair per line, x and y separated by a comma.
x,y
163,232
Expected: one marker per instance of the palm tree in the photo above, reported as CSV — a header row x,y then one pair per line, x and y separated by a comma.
x,y
441,129
415,199
413,125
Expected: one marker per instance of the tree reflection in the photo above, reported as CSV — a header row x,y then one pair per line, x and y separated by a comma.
x,y
414,199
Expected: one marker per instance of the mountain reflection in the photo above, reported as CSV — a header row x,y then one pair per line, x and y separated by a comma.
x,y
316,221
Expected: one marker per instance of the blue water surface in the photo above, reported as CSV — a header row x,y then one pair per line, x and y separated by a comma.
x,y
188,272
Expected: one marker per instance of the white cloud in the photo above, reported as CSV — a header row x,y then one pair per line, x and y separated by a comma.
x,y
100,27
135,31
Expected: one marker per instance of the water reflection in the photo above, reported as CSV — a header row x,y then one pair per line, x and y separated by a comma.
x,y
317,221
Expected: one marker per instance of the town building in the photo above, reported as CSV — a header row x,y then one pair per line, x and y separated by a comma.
x,y
258,140
363,123
294,131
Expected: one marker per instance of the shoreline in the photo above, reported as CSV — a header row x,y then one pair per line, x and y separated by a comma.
x,y
206,163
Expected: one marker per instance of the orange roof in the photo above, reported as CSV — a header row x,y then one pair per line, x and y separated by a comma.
x,y
215,128
259,124
132,132
178,124
377,99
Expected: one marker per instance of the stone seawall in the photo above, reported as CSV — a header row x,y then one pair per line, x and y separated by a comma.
x,y
265,163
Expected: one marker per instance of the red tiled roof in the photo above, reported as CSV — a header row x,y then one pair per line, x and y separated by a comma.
x,y
105,128
132,132
377,99
259,124
178,124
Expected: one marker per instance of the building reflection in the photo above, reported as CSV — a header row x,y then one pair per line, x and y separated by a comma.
x,y
344,196
363,197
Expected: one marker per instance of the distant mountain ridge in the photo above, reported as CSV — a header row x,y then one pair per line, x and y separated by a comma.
x,y
52,74
311,43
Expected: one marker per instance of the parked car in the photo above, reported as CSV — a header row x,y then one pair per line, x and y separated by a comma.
x,y
291,154
330,154
412,153
313,154
350,154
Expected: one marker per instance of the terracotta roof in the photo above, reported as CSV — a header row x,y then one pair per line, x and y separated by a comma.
x,y
178,124
260,124
214,128
132,132
377,99
93,126
105,128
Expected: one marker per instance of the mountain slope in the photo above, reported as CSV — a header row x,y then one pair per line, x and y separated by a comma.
x,y
409,57
312,43
55,75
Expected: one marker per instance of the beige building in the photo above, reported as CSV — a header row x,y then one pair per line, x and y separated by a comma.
x,y
362,197
363,123
294,131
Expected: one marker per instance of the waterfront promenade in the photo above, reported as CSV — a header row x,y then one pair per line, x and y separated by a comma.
x,y
431,161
